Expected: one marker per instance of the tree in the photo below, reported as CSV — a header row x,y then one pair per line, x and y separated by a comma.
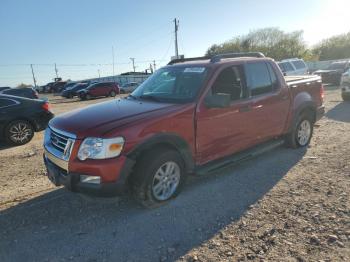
x,y
22,85
336,47
271,41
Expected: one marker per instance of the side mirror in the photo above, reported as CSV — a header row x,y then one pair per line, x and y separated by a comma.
x,y
218,100
285,73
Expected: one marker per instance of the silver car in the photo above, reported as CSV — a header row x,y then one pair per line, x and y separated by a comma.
x,y
128,87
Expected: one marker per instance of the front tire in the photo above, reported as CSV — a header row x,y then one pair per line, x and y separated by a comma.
x,y
19,132
112,94
159,176
302,131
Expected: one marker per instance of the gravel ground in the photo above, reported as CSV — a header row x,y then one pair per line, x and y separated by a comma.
x,y
285,205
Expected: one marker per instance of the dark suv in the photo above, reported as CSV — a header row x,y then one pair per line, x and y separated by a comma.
x,y
72,91
99,89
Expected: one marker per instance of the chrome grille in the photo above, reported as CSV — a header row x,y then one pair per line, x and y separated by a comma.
x,y
58,141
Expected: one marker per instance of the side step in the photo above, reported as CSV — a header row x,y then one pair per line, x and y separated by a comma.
x,y
239,157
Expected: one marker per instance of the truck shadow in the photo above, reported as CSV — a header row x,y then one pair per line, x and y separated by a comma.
x,y
341,112
60,225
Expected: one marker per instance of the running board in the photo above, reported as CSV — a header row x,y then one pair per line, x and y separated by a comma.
x,y
238,157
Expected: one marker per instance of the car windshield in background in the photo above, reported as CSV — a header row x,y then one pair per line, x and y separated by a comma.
x,y
335,66
173,84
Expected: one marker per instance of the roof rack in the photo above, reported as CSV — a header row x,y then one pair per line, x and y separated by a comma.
x,y
217,58
181,60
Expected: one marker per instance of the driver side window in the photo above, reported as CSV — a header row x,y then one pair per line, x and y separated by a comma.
x,y
229,81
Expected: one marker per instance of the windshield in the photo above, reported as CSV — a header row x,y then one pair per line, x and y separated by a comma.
x,y
337,66
172,84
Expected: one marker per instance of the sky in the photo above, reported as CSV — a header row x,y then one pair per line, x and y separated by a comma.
x,y
78,35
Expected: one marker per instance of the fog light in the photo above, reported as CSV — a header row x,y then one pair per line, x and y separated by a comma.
x,y
90,179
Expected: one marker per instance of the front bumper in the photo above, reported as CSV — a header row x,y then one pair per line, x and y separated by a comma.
x,y
71,180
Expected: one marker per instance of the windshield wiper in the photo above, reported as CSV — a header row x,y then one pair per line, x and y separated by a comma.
x,y
150,97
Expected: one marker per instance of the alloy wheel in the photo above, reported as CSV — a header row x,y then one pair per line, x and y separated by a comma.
x,y
166,180
304,132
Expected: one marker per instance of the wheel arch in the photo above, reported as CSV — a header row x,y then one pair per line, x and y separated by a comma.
x,y
168,141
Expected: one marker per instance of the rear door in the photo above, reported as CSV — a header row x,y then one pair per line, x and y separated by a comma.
x,y
270,99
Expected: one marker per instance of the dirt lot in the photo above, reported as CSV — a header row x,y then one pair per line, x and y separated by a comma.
x,y
285,205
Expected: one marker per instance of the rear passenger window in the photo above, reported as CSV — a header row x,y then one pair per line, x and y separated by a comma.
x,y
258,78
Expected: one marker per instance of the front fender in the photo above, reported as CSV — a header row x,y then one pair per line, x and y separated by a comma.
x,y
168,140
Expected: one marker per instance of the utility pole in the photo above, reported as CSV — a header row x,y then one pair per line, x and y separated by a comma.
x,y
113,62
56,71
133,63
176,21
150,68
31,65
113,59
154,65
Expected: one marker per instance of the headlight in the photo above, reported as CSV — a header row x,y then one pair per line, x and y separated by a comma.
x,y
99,148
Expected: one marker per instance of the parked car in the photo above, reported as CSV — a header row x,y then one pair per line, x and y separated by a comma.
x,y
40,89
72,91
345,86
333,74
293,66
190,117
4,88
99,89
68,85
48,87
27,92
58,86
128,87
21,117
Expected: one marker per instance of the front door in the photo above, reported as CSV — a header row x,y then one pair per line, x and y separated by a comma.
x,y
223,131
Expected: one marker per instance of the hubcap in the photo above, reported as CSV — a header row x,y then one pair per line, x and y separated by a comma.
x,y
20,133
166,181
304,132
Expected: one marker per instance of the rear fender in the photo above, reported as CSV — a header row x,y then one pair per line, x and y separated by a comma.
x,y
302,102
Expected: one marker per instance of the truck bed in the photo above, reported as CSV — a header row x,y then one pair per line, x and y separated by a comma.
x,y
295,80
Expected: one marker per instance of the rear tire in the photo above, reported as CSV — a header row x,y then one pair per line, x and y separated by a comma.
x,y
112,93
88,97
19,132
158,177
302,131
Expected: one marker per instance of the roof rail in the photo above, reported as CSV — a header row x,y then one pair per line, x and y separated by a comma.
x,y
181,60
217,58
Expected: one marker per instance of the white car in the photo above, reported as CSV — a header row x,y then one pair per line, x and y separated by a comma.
x,y
293,66
345,85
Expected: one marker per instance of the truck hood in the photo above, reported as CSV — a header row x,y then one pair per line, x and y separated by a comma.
x,y
98,119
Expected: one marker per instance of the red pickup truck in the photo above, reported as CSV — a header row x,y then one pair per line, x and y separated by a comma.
x,y
190,117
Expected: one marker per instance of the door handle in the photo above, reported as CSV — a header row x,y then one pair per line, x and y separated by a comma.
x,y
244,109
